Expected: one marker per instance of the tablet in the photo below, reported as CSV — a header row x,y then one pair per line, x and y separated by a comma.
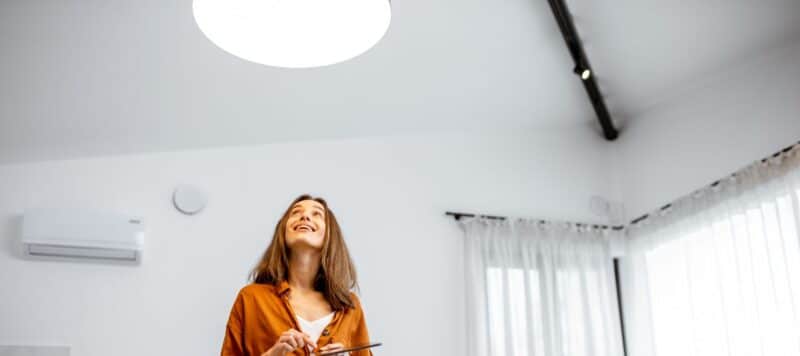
x,y
354,348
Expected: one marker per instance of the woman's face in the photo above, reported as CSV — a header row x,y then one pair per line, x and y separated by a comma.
x,y
306,225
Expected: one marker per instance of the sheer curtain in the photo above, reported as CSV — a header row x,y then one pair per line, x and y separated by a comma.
x,y
719,272
540,289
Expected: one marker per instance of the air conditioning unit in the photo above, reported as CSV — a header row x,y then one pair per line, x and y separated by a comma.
x,y
82,234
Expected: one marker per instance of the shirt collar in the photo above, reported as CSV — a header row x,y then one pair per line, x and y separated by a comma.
x,y
283,287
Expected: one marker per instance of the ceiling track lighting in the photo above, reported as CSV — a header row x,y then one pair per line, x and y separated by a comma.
x,y
582,68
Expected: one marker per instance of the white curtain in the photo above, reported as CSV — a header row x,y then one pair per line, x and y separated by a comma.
x,y
719,272
540,289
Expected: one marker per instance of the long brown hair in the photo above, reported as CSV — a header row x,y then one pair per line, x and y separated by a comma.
x,y
337,274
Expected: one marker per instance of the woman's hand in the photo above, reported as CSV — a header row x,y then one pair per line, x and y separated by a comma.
x,y
289,341
332,347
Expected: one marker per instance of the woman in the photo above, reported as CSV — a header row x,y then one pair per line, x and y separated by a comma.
x,y
301,301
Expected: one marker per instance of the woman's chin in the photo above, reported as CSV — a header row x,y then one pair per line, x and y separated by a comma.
x,y
303,242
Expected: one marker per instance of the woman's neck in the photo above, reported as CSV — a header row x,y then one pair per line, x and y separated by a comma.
x,y
303,267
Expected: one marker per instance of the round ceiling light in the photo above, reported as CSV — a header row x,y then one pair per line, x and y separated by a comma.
x,y
293,33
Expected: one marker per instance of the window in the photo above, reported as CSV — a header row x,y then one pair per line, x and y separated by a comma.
x,y
529,314
731,287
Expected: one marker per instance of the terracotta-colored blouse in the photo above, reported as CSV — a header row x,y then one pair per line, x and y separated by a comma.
x,y
261,313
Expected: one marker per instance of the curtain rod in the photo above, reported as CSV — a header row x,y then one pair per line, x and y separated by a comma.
x,y
459,215
716,182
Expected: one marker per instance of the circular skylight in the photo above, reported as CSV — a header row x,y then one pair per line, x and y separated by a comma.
x,y
293,33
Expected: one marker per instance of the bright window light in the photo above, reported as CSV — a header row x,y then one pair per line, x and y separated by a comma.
x,y
293,33
731,288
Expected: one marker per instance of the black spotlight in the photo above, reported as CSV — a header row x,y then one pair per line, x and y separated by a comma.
x,y
584,73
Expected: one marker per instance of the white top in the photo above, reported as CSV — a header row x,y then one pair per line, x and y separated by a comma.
x,y
314,328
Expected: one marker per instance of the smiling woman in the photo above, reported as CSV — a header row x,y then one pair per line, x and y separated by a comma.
x,y
301,300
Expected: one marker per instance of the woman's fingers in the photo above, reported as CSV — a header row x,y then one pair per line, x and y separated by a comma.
x,y
286,348
332,347
308,341
291,340
296,339
299,340
288,339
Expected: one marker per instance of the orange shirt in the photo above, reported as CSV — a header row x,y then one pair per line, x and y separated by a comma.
x,y
261,313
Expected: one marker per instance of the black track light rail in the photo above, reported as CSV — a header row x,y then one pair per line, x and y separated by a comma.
x,y
567,27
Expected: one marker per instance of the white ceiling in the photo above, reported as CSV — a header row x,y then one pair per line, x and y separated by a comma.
x,y
85,78
646,52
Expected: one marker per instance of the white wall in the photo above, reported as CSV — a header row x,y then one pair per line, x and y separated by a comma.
x,y
389,194
713,129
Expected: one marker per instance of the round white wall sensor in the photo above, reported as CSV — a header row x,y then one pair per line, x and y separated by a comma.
x,y
189,200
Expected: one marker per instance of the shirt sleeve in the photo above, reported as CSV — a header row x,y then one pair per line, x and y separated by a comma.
x,y
233,345
361,334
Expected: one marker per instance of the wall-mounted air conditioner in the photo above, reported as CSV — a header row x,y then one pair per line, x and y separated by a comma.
x,y
82,234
